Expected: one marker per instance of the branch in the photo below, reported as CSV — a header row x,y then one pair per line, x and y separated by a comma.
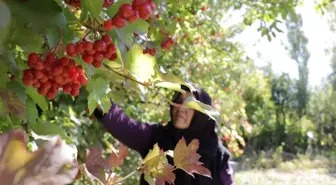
x,y
148,85
59,41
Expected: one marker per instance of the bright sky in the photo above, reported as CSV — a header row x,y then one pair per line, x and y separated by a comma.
x,y
317,31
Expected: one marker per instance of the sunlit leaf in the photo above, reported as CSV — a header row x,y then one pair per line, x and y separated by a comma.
x,y
94,7
186,158
192,103
49,129
141,65
157,166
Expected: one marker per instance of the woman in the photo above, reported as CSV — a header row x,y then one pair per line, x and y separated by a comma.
x,y
186,123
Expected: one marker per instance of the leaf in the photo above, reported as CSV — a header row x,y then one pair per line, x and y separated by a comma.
x,y
51,164
169,81
192,103
50,129
156,165
94,7
172,27
12,104
95,163
32,113
4,23
18,89
186,158
99,88
139,26
115,160
141,65
37,98
9,60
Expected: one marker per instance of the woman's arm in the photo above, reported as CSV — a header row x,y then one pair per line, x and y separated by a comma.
x,y
134,134
226,175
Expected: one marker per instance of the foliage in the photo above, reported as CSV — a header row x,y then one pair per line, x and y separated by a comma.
x,y
62,59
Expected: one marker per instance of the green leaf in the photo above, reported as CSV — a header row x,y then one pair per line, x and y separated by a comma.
x,y
141,65
37,15
169,81
30,41
2,107
94,7
49,129
192,103
4,23
139,26
149,179
18,89
112,10
9,60
98,88
172,27
32,113
37,98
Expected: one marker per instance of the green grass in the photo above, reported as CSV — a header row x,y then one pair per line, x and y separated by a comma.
x,y
301,171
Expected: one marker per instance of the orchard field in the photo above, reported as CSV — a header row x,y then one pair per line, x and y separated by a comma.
x,y
60,59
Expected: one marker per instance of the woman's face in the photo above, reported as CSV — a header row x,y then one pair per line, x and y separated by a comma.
x,y
182,116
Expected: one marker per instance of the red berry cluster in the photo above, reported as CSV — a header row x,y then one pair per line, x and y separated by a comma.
x,y
52,74
94,52
167,44
77,3
130,13
150,51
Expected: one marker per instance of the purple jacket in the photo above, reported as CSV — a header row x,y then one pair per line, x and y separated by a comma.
x,y
138,136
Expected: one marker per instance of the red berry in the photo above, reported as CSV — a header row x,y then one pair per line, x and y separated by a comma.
x,y
76,85
82,79
57,70
126,10
71,63
118,21
27,81
113,57
92,52
42,90
108,3
144,11
108,25
51,94
39,65
151,4
36,84
88,46
79,48
74,92
38,74
99,45
88,58
107,39
98,56
67,88
97,64
44,79
136,4
80,70
50,57
64,61
33,57
134,17
70,48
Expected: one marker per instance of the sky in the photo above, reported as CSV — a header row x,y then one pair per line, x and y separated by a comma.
x,y
317,31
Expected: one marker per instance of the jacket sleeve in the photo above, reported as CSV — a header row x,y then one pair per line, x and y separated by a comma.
x,y
226,174
134,134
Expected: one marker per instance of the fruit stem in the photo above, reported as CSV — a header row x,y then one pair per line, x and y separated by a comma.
x,y
126,177
59,41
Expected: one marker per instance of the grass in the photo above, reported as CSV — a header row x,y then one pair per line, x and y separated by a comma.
x,y
303,170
